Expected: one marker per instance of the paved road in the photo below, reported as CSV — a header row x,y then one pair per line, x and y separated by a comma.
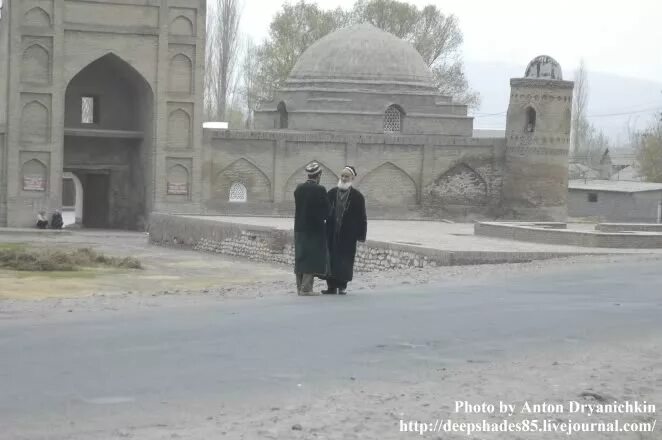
x,y
61,375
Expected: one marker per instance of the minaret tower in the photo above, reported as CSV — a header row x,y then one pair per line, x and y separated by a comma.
x,y
535,184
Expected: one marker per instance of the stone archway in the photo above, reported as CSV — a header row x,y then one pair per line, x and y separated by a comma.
x,y
77,199
108,142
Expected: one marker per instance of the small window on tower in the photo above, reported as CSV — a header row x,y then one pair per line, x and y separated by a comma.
x,y
530,120
593,197
89,110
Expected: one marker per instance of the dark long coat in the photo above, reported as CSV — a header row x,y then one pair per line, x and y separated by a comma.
x,y
310,240
354,227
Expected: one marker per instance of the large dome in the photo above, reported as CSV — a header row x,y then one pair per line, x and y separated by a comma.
x,y
362,53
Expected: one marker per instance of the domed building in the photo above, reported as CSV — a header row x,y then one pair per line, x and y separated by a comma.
x,y
122,118
364,97
364,80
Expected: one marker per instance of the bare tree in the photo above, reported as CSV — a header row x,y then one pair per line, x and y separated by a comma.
x,y
648,150
436,36
222,55
579,126
249,86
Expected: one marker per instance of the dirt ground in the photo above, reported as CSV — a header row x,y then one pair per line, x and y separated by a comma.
x,y
362,409
177,277
165,270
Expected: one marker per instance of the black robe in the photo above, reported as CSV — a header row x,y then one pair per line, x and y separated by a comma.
x,y
354,227
310,241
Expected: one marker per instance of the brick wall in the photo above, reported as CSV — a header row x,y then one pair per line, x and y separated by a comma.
x,y
560,236
394,172
271,245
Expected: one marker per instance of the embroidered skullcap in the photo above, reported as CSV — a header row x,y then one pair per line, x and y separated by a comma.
x,y
350,169
313,169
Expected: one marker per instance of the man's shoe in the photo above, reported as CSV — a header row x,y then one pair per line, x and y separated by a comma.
x,y
342,292
311,293
330,291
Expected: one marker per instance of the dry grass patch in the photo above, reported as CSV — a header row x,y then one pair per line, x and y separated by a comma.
x,y
18,257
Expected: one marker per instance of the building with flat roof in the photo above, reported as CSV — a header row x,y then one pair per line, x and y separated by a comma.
x,y
614,201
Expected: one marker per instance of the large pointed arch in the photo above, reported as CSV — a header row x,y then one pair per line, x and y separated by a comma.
x,y
388,185
245,172
114,102
117,80
119,63
329,180
79,65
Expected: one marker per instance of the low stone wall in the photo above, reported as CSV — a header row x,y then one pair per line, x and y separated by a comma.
x,y
532,233
629,227
33,231
272,245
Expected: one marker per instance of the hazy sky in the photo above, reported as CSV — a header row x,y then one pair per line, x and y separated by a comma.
x,y
621,37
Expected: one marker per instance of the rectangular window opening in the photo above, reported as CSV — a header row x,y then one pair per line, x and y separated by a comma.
x,y
89,110
593,197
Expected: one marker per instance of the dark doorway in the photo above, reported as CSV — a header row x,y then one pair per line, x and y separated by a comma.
x,y
96,200
108,141
282,111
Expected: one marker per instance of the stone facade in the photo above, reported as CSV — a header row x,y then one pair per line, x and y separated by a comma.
x,y
399,175
111,92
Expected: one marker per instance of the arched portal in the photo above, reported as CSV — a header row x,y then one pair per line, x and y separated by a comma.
x,y
72,197
108,142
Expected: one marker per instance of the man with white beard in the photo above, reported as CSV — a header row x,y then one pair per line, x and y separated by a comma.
x,y
346,225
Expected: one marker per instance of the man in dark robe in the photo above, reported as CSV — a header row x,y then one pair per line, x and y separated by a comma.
x,y
310,240
347,224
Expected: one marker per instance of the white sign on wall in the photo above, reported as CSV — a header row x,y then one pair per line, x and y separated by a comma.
x,y
34,183
177,188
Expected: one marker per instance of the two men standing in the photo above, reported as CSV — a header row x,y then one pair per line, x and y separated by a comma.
x,y
326,229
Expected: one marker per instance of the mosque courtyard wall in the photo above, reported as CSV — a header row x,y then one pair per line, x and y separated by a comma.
x,y
401,176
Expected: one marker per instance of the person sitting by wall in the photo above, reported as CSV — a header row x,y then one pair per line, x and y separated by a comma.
x,y
42,221
56,220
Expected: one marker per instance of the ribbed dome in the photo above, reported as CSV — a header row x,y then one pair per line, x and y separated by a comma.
x,y
362,53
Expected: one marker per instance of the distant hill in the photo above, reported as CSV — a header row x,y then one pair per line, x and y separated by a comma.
x,y
608,94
